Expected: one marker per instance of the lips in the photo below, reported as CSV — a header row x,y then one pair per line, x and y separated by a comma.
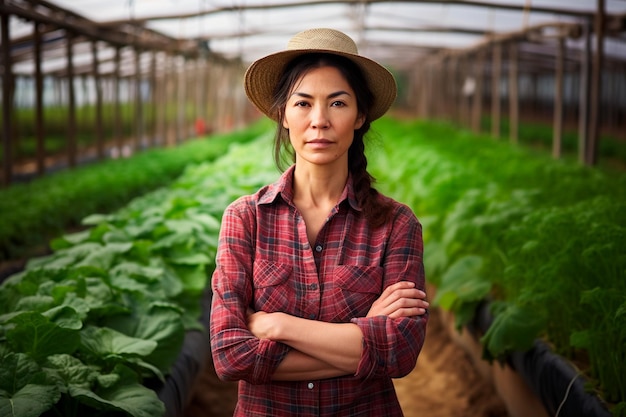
x,y
320,142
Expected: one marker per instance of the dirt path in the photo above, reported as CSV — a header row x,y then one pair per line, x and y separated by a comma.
x,y
443,384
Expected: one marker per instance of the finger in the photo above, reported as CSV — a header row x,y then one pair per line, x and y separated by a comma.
x,y
407,312
416,306
398,294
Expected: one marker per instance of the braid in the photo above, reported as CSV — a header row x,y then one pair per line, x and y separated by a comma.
x,y
374,210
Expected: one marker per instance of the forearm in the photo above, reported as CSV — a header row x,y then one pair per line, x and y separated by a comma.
x,y
338,344
298,366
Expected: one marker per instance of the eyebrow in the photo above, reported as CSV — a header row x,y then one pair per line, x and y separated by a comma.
x,y
332,95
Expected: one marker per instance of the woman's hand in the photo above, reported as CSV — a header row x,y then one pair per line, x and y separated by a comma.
x,y
401,299
262,324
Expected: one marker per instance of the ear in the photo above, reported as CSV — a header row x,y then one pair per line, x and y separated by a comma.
x,y
359,121
282,119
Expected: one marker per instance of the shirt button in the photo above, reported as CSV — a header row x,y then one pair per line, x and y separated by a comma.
x,y
310,385
313,287
318,248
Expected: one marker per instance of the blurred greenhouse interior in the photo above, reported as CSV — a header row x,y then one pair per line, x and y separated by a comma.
x,y
93,79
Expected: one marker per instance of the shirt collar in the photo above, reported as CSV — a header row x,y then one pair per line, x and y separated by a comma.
x,y
284,187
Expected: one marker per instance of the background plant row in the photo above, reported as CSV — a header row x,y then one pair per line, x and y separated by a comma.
x,y
34,212
542,239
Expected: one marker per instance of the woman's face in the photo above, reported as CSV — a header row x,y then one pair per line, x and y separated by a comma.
x,y
321,116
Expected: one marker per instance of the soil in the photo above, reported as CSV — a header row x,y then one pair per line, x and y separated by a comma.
x,y
444,383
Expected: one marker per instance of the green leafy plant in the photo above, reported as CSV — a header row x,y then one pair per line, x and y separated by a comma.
x,y
83,330
540,239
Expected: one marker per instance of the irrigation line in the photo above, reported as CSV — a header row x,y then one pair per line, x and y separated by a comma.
x,y
558,411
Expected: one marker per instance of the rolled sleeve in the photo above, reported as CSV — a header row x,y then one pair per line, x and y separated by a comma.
x,y
391,346
237,353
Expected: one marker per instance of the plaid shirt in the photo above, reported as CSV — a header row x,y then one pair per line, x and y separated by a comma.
x,y
265,261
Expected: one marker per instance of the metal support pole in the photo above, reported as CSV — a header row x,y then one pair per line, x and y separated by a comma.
x,y
596,87
7,102
557,129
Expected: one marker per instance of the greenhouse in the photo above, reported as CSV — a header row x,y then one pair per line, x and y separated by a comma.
x,y
131,133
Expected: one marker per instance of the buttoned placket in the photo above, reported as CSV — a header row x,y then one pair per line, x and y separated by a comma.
x,y
311,284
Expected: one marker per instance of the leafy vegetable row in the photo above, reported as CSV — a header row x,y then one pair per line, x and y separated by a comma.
x,y
83,330
543,239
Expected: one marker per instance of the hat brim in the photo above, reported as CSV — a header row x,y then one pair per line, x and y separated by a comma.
x,y
262,76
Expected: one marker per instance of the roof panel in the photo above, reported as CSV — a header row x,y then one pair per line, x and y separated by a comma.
x,y
249,29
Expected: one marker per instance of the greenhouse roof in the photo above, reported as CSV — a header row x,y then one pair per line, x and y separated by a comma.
x,y
397,33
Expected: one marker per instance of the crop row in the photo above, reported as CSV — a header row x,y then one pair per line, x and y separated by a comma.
x,y
32,213
84,329
542,240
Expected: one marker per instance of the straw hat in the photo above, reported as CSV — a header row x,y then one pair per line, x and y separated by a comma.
x,y
262,76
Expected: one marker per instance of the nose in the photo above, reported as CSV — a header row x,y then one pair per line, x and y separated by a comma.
x,y
319,118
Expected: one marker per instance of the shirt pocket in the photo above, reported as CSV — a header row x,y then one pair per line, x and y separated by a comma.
x,y
354,290
272,288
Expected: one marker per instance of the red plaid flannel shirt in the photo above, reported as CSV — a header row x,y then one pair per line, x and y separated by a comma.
x,y
264,260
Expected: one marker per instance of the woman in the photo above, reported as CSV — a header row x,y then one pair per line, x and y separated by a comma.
x,y
318,290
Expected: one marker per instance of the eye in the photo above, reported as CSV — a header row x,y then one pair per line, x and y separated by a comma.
x,y
337,103
301,103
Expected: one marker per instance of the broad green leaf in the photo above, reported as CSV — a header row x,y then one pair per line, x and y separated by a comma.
x,y
171,239
194,277
24,391
65,317
183,226
121,392
59,261
462,282
104,256
158,322
134,399
37,303
190,259
206,220
514,328
139,272
71,239
116,236
68,370
129,285
39,336
30,401
95,219
104,342
16,371
144,229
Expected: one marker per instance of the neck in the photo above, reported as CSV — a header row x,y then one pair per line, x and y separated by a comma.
x,y
319,186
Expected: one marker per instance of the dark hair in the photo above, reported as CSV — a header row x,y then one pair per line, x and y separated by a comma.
x,y
375,210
